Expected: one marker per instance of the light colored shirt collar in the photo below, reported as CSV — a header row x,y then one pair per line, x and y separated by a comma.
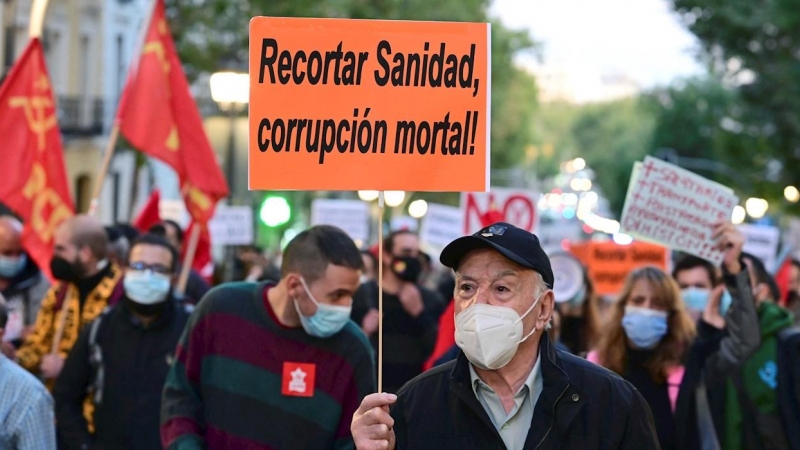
x,y
533,383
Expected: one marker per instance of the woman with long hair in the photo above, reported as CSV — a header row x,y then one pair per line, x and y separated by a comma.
x,y
581,319
646,340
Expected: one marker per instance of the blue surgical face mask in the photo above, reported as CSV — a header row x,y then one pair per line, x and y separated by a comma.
x,y
644,327
695,298
11,266
725,302
145,287
327,321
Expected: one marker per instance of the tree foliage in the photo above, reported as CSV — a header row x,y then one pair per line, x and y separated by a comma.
x,y
756,44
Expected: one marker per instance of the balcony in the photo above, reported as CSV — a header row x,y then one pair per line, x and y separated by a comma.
x,y
82,116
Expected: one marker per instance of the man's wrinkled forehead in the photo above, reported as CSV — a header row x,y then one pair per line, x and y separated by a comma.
x,y
488,258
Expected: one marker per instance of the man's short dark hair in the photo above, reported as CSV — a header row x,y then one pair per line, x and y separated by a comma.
x,y
763,276
161,229
311,251
689,262
388,241
3,314
128,230
159,241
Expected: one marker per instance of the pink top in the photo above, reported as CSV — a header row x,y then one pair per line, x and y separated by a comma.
x,y
674,378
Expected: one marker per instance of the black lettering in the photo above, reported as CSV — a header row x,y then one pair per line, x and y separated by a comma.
x,y
362,58
268,61
298,77
343,126
284,67
380,80
277,145
263,144
408,130
314,74
422,147
397,72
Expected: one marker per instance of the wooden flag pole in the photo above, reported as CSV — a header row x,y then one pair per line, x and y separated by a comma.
x,y
380,291
188,259
101,175
38,10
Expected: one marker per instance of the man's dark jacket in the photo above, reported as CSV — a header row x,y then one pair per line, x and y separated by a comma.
x,y
582,406
135,364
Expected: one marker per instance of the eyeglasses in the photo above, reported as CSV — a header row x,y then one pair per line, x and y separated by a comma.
x,y
155,268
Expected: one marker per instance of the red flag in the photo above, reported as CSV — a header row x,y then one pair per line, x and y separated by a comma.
x,y
34,183
159,117
203,263
149,215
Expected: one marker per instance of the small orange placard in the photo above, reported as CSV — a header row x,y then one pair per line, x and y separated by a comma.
x,y
609,263
340,104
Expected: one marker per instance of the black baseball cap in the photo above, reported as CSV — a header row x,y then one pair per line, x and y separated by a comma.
x,y
514,243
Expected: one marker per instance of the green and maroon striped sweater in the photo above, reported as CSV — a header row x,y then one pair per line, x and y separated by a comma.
x,y
225,389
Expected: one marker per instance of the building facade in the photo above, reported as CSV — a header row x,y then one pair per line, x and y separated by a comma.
x,y
88,47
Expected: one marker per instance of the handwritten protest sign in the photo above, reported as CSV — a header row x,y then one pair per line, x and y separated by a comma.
x,y
341,104
609,263
677,208
352,216
517,206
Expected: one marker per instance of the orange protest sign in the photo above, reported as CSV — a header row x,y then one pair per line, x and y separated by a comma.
x,y
609,263
340,104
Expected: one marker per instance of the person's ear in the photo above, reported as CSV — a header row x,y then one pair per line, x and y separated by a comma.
x,y
294,286
546,310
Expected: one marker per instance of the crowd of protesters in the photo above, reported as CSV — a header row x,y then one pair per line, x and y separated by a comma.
x,y
476,354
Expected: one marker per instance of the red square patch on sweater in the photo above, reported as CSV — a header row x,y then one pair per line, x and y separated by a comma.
x,y
298,379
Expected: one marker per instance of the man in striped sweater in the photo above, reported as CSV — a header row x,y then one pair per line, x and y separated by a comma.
x,y
274,366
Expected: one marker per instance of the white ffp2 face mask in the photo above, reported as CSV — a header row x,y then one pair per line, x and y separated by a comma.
x,y
489,335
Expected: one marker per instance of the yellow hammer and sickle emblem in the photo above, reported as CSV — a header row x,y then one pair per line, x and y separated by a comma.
x,y
42,196
35,109
197,197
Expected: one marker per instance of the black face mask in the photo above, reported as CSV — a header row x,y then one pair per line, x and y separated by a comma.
x,y
146,310
407,268
64,270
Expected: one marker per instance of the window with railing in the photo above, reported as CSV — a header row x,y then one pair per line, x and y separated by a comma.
x,y
81,115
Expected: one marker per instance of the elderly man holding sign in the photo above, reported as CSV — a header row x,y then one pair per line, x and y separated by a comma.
x,y
509,388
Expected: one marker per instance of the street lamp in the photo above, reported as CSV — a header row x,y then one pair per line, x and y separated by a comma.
x,y
792,194
231,92
394,198
418,208
756,207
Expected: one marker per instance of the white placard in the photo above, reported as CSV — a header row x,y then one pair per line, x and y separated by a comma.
x,y
231,225
352,216
405,223
440,226
518,207
676,208
762,241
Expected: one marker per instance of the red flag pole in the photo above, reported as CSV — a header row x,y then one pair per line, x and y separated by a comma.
x,y
188,258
